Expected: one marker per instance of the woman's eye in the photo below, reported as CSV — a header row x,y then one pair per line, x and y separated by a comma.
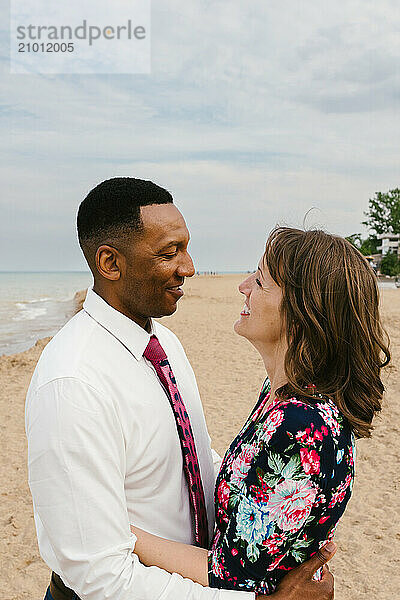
x,y
258,282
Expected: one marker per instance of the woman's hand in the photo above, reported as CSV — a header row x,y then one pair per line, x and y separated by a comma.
x,y
298,584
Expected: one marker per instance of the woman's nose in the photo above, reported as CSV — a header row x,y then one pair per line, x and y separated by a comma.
x,y
245,286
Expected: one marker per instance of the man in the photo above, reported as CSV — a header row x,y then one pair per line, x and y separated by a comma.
x,y
110,442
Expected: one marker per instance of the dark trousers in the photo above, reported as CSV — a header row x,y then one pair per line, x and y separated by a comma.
x,y
58,591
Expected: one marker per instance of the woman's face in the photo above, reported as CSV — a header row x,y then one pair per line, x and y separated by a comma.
x,y
260,320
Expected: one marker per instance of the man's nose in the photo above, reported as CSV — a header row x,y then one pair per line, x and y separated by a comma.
x,y
186,267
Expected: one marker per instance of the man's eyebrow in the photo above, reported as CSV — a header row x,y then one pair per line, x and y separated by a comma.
x,y
175,242
169,245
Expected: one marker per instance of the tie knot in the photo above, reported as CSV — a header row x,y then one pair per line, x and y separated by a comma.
x,y
154,352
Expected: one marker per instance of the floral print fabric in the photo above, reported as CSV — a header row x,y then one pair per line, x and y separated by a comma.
x,y
281,490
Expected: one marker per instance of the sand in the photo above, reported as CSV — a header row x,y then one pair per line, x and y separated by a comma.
x,y
229,373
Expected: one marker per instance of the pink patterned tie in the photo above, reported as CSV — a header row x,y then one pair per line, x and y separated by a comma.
x,y
156,355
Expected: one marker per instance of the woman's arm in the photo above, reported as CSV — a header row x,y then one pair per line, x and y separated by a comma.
x,y
281,511
174,557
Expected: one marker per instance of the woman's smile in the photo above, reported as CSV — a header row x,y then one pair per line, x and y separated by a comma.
x,y
246,311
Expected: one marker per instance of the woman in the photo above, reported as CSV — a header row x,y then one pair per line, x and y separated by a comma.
x,y
311,311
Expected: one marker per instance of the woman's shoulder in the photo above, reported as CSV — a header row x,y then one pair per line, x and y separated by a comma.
x,y
306,421
315,430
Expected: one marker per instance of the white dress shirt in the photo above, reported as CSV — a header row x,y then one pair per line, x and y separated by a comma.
x,y
103,452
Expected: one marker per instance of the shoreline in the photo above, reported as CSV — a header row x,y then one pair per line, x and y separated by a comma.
x,y
79,299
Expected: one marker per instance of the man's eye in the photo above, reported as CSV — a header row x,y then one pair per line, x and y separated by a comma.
x,y
169,255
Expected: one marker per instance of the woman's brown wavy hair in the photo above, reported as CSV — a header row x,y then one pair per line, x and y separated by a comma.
x,y
330,310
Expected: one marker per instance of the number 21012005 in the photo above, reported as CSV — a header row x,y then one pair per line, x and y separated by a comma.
x,y
45,47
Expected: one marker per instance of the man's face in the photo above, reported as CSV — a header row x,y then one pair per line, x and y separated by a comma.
x,y
156,264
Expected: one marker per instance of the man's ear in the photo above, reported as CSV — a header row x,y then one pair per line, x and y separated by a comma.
x,y
109,262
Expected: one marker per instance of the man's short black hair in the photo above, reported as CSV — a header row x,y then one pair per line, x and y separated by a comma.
x,y
111,210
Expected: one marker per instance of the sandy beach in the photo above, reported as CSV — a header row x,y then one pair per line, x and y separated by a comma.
x,y
229,374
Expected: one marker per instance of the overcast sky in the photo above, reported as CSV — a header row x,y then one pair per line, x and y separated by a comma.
x,y
254,113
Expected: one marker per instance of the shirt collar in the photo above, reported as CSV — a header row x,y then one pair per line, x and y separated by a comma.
x,y
129,333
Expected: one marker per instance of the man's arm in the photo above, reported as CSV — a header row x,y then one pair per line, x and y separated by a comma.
x,y
76,456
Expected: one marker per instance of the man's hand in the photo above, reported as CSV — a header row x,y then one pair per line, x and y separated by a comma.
x,y
298,584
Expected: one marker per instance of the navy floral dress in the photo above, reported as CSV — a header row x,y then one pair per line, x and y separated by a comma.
x,y
282,488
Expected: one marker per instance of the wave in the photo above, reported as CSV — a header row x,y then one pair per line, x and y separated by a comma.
x,y
46,299
29,313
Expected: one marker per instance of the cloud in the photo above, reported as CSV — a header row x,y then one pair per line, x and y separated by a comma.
x,y
251,115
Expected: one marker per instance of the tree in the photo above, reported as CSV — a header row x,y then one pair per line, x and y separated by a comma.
x,y
383,214
355,240
390,265
369,246
366,246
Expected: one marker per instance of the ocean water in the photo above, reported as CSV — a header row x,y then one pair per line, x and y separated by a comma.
x,y
35,305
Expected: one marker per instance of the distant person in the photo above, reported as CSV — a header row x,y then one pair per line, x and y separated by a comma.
x,y
117,435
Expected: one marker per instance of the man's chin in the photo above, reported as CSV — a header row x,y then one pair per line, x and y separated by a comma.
x,y
171,310
166,311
